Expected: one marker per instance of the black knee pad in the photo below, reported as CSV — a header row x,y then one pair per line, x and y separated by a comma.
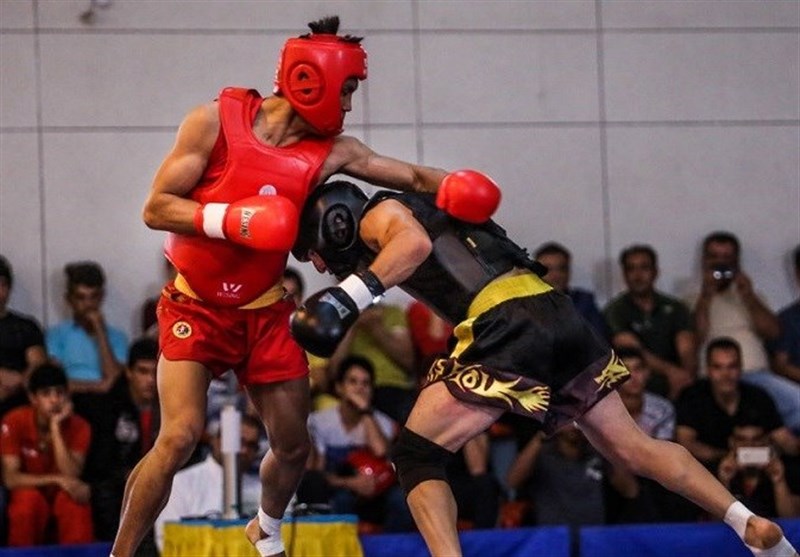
x,y
417,460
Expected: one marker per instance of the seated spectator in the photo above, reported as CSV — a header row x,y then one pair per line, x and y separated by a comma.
x,y
319,373
563,478
90,350
124,425
707,411
150,305
429,336
197,490
475,488
767,483
352,433
43,447
729,306
558,261
657,325
786,349
21,346
654,414
382,336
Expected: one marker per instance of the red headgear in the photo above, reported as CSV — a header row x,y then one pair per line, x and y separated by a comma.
x,y
310,75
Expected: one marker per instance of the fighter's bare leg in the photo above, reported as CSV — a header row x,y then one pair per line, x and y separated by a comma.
x,y
182,387
612,431
283,408
450,423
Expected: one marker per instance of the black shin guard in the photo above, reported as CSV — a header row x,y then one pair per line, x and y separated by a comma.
x,y
417,460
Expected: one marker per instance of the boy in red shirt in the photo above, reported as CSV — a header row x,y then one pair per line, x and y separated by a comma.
x,y
43,447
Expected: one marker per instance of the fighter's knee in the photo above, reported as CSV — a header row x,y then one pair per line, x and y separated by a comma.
x,y
177,443
295,452
418,459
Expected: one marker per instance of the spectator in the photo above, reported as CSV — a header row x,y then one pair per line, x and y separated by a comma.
x,y
43,449
766,482
563,479
21,346
90,350
124,425
354,431
150,305
558,261
429,336
197,491
707,411
657,325
319,373
786,350
381,335
654,414
728,306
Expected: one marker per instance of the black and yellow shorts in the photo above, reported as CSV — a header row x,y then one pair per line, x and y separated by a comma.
x,y
525,348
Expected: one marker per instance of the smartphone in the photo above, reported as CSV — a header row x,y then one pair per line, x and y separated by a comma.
x,y
753,456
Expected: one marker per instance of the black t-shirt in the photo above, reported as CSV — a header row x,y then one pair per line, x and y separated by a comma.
x,y
697,409
17,334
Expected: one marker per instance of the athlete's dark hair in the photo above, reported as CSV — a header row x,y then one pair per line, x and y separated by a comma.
x,y
329,25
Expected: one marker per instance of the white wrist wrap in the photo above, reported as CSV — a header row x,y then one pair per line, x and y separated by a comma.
x,y
781,549
272,544
213,217
736,517
358,291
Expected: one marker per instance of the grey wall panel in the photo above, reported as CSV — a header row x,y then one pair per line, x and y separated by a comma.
x,y
20,219
701,14
96,184
17,81
231,15
679,77
390,82
672,186
507,14
551,183
513,77
140,80
16,14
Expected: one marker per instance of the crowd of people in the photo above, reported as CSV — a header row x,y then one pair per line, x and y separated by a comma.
x,y
91,449
79,409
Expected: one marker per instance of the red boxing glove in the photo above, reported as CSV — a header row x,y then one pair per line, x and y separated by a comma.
x,y
468,195
265,222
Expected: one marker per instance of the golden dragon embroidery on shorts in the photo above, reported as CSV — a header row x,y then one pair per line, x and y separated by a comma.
x,y
612,373
476,380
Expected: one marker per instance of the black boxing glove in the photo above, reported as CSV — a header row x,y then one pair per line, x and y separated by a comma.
x,y
319,325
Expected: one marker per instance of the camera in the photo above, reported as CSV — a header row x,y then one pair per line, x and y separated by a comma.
x,y
753,456
723,272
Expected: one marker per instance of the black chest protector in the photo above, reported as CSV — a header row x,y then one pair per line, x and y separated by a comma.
x,y
465,257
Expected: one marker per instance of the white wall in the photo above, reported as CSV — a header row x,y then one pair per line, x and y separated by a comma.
x,y
606,122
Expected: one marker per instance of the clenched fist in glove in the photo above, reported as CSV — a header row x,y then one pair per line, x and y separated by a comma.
x,y
468,195
266,222
321,322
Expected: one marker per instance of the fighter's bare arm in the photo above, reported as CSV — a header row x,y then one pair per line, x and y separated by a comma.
x,y
400,241
352,157
166,208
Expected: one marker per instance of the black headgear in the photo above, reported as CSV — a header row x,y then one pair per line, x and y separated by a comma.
x,y
329,225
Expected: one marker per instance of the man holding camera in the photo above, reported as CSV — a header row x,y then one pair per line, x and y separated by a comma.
x,y
766,482
729,306
708,411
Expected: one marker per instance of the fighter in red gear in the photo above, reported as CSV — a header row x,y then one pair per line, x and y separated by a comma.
x,y
226,308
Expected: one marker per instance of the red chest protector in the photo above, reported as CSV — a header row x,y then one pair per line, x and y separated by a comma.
x,y
240,166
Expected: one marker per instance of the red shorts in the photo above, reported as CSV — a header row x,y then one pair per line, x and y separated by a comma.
x,y
255,343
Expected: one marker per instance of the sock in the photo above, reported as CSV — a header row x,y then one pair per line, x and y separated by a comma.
x,y
737,516
272,543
